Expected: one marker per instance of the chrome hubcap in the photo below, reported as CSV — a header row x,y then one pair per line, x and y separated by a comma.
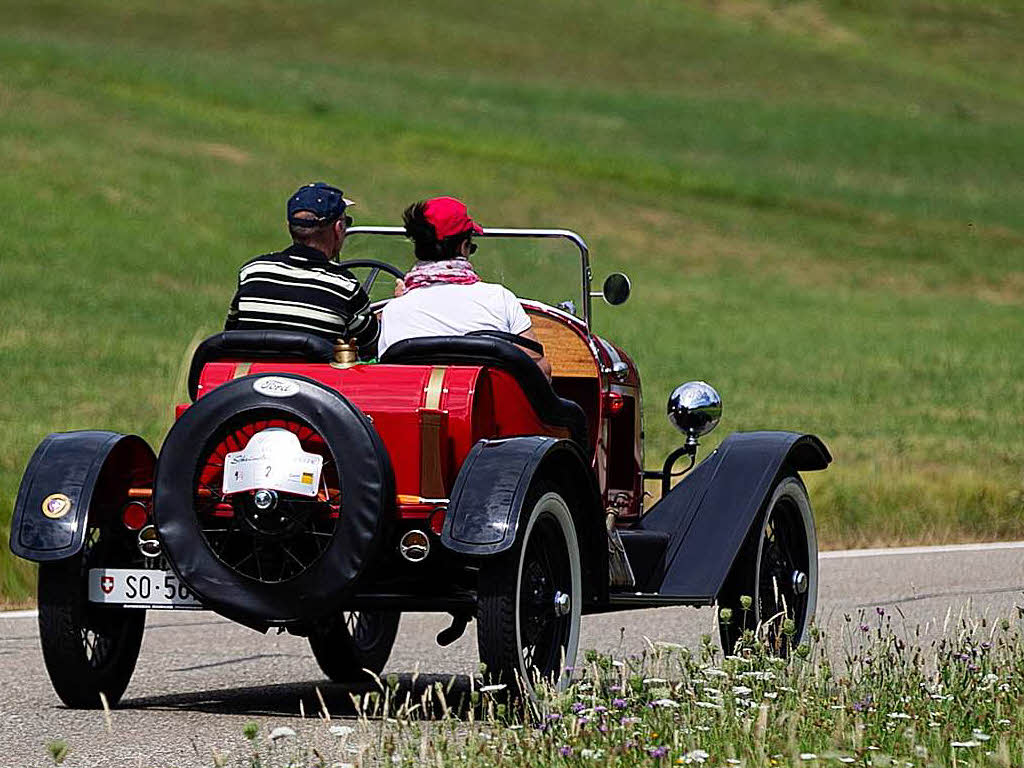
x,y
799,582
264,499
562,604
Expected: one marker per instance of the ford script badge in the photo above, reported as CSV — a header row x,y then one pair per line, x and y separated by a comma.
x,y
276,386
56,505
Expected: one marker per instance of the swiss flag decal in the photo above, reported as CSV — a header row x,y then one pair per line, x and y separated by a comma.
x,y
107,584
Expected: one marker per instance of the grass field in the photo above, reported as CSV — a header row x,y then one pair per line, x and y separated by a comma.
x,y
821,206
888,698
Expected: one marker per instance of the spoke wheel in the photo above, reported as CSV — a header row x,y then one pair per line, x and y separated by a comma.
x,y
269,537
530,599
357,643
88,648
778,569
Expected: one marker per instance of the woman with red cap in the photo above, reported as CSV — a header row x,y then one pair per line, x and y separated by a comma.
x,y
442,295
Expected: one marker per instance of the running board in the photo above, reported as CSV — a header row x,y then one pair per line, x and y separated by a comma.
x,y
636,600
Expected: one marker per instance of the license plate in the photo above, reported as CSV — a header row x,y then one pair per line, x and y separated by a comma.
x,y
139,587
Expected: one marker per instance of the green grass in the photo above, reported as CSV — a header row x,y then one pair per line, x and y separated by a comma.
x,y
877,694
820,204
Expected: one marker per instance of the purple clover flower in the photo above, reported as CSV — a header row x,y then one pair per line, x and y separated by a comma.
x,y
658,751
619,703
565,751
579,706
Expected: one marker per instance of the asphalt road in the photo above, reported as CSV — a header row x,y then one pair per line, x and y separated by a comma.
x,y
201,678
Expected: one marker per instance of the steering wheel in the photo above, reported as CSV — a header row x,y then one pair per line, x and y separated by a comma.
x,y
511,338
375,268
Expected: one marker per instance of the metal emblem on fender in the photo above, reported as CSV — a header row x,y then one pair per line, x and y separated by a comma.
x,y
56,505
276,386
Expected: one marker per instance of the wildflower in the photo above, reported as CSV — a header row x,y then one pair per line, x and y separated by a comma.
x,y
665,703
282,732
865,628
591,754
599,708
695,756
746,601
708,705
578,706
654,680
845,759
492,688
658,751
619,703
554,716
979,735
565,751
741,690
1003,721
966,744
629,720
900,716
880,610
713,672
771,695
808,756
341,731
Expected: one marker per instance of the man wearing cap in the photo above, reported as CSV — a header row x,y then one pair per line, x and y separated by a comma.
x,y
302,288
442,295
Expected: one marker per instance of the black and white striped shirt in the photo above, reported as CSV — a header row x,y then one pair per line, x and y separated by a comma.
x,y
300,289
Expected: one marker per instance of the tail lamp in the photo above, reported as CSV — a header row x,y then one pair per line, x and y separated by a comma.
x,y
134,515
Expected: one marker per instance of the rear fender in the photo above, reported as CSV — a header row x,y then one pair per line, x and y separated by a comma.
x,y
709,514
490,493
70,477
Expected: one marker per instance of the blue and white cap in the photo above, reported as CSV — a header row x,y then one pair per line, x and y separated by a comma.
x,y
325,202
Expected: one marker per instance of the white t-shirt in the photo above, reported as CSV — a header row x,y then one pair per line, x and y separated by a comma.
x,y
449,309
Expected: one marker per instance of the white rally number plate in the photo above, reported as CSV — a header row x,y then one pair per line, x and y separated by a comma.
x,y
273,459
140,587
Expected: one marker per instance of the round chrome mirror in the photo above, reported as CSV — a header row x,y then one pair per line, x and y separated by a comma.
x,y
694,408
616,288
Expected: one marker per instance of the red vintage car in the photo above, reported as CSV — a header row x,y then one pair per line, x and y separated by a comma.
x,y
324,497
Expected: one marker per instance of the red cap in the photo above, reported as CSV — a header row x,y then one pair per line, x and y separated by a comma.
x,y
449,217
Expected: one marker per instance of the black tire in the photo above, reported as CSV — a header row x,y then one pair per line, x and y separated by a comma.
x,y
366,483
521,634
360,641
88,648
777,568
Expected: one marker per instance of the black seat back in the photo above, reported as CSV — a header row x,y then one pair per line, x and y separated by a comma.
x,y
257,345
483,350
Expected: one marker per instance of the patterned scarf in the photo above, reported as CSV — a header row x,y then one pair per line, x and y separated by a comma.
x,y
453,271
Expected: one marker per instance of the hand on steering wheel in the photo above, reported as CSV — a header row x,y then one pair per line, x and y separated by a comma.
x,y
375,267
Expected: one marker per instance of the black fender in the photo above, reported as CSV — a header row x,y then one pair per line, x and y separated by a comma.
x,y
490,490
709,514
74,473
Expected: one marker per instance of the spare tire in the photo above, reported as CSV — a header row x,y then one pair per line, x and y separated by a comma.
x,y
298,563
